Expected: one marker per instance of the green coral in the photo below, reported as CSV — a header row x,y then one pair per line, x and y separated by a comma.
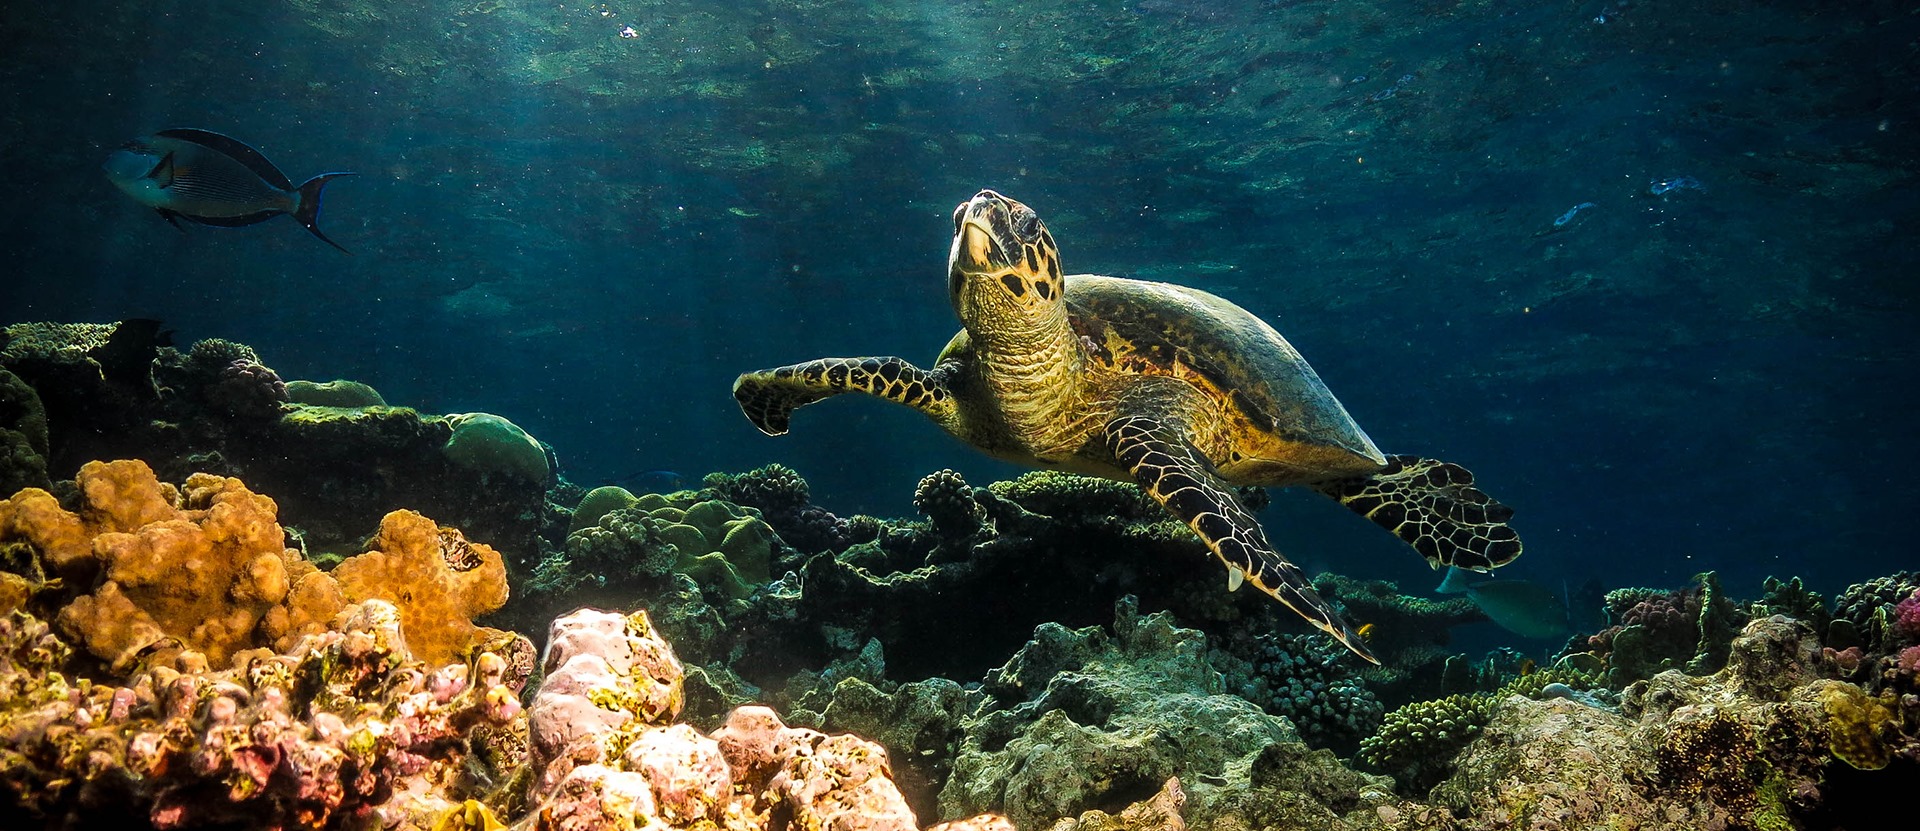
x,y
23,437
1720,620
720,545
597,504
1795,600
1417,743
493,445
336,393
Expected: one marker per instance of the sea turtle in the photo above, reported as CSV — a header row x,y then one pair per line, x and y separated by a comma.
x,y
1169,387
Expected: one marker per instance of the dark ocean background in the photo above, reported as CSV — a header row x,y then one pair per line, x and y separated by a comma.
x,y
588,218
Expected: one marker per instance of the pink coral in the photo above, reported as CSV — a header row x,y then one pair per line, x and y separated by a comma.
x,y
345,729
1906,617
606,756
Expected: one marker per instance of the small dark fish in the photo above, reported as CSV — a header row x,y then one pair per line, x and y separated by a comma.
x,y
211,179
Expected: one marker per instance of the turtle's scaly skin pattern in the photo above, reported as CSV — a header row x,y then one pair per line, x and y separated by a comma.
x,y
769,398
1435,508
1164,466
1173,388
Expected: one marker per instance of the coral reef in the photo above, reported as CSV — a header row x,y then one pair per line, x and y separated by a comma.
x,y
1081,719
167,655
345,729
121,391
1654,631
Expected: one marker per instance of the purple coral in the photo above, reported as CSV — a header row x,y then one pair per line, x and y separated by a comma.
x,y
247,388
1906,617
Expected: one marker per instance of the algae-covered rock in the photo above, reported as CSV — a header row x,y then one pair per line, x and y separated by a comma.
x,y
1087,718
490,444
336,393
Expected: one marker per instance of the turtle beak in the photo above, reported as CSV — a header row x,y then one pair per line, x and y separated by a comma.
x,y
976,244
974,248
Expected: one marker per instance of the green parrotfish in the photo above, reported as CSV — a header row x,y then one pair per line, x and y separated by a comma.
x,y
212,179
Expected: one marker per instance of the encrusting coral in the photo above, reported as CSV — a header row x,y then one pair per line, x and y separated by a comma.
x,y
154,570
200,568
344,730
440,580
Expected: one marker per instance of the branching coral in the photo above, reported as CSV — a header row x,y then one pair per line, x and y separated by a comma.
x,y
1417,743
1308,680
947,501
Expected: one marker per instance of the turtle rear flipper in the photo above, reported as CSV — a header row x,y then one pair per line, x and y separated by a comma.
x,y
1435,508
1174,474
769,397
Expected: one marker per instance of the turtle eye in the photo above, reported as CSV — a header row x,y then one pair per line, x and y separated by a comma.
x,y
1025,224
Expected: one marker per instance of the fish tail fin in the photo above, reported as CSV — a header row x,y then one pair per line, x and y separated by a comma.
x,y
308,209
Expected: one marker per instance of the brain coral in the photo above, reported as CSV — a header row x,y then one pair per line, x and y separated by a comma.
x,y
490,444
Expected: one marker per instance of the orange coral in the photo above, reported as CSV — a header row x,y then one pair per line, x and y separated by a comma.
x,y
34,517
204,571
439,580
207,570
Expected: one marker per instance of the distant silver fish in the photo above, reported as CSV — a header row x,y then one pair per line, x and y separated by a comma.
x,y
211,179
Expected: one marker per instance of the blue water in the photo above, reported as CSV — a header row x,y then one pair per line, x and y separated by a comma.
x,y
592,234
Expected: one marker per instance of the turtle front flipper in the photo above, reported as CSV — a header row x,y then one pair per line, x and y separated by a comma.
x,y
769,397
1167,466
1435,508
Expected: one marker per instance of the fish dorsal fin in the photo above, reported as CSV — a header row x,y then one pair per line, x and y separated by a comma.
x,y
234,149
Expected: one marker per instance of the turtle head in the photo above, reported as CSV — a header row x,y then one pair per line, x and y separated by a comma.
x,y
1004,267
